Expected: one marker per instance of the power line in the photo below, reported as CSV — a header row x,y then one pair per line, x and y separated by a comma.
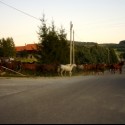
x,y
25,13
19,10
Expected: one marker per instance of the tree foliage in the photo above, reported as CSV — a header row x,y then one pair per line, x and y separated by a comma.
x,y
123,55
122,42
7,47
95,54
53,46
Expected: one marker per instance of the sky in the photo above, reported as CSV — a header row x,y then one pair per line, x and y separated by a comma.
x,y
101,21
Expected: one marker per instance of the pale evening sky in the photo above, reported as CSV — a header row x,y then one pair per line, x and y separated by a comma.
x,y
101,21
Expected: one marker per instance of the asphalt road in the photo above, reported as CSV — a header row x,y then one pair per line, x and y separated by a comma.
x,y
81,99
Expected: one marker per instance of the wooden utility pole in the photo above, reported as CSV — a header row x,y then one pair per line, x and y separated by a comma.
x,y
73,48
71,27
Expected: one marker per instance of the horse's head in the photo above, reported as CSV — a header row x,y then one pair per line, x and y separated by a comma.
x,y
74,65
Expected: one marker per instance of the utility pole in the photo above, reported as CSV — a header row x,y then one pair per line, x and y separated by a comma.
x,y
71,27
73,48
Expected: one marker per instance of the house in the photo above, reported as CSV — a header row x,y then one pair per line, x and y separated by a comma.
x,y
26,53
28,48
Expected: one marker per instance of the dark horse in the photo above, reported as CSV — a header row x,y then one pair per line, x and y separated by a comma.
x,y
117,67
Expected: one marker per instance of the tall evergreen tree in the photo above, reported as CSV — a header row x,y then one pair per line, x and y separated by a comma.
x,y
53,47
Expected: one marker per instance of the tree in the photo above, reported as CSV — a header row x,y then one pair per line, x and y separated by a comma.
x,y
63,47
83,55
122,42
113,56
1,49
123,55
7,47
53,46
95,54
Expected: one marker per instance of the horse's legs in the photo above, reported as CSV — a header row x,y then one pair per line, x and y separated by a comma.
x,y
120,70
59,70
62,73
70,73
113,71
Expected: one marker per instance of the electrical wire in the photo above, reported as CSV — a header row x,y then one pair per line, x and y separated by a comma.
x,y
76,35
19,11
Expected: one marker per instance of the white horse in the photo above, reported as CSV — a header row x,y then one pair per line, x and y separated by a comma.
x,y
66,68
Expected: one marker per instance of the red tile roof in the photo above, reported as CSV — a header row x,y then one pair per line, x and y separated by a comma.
x,y
28,47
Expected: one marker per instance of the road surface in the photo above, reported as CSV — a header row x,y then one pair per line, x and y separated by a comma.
x,y
80,99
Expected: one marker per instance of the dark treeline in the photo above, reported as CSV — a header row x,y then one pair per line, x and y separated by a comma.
x,y
95,54
120,48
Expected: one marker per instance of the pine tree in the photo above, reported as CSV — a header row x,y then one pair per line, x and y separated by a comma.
x,y
53,46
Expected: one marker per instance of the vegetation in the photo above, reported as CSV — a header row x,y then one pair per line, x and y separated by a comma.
x,y
53,46
122,43
119,49
95,54
7,48
27,60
